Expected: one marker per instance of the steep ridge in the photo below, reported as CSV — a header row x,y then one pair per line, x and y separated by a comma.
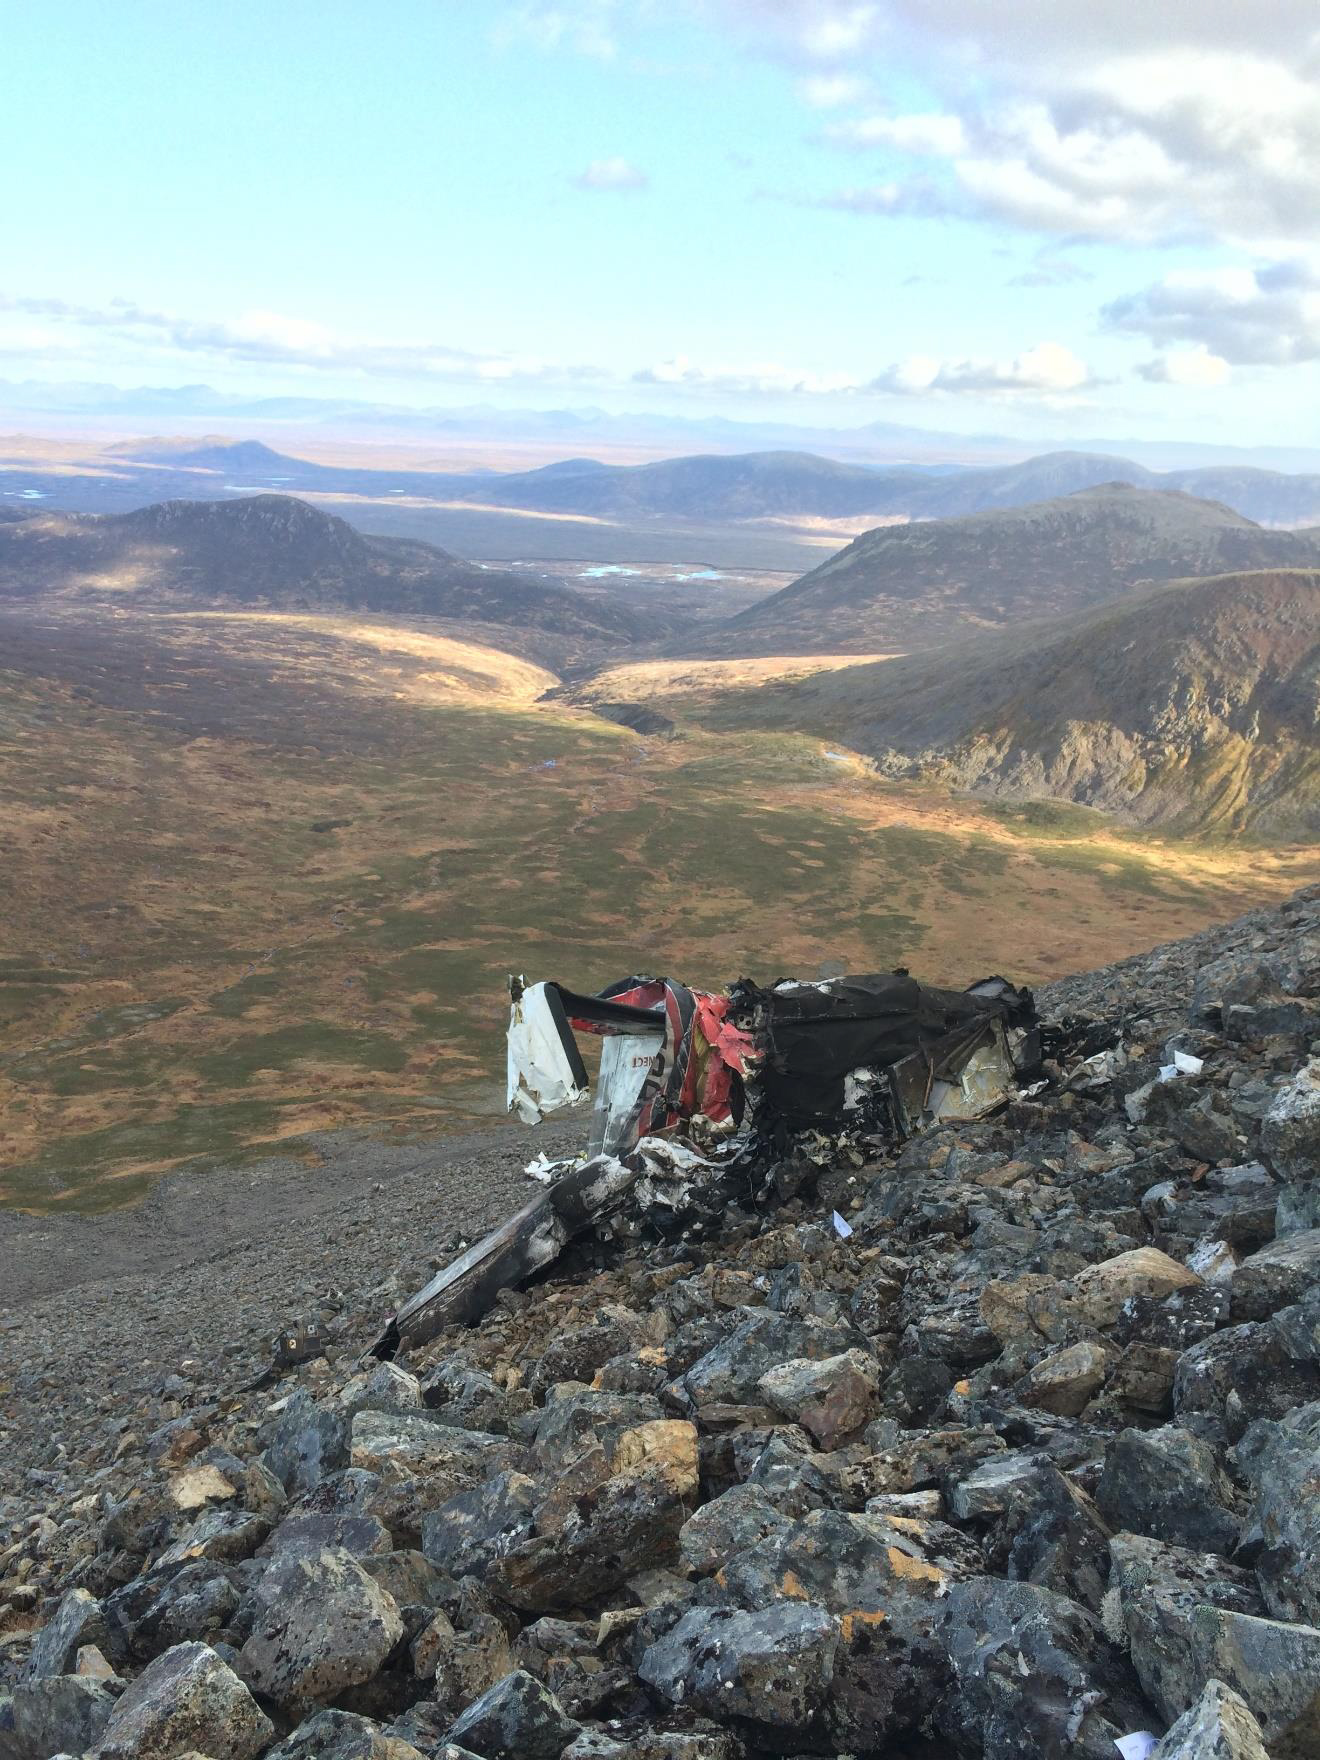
x,y
911,587
276,551
1194,705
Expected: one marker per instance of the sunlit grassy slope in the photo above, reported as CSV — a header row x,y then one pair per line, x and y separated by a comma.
x,y
267,875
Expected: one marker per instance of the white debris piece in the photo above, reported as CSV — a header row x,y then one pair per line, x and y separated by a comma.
x,y
541,1078
1184,1064
841,1228
542,1168
1138,1745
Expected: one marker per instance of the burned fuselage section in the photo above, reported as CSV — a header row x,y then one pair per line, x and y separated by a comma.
x,y
880,1056
703,1099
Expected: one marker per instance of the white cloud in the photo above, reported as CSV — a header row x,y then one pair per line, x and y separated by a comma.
x,y
1250,317
827,91
918,134
586,27
1195,367
1098,118
612,174
756,380
1048,369
276,338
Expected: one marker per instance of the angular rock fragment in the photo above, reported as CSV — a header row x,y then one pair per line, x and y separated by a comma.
x,y
1218,1727
193,1601
186,1699
76,1621
306,1441
1158,1589
728,1525
406,1443
52,1713
322,1625
1290,1144
1095,1297
1034,1676
1276,1669
1167,1484
832,1397
731,1373
516,1719
1281,1461
770,1670
467,1534
1066,1381
342,1735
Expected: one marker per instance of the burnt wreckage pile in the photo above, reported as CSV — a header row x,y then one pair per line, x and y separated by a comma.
x,y
706,1101
1025,1466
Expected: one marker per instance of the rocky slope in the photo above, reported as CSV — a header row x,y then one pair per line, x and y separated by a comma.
x,y
275,552
901,589
1022,1465
1194,705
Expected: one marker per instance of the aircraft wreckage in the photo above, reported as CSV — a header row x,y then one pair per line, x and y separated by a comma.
x,y
704,1099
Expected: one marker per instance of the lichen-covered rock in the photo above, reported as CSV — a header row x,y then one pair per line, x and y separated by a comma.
x,y
831,1397
305,1442
76,1621
1158,1589
192,1601
322,1625
415,1444
51,1713
1277,1275
1218,1727
468,1533
731,1373
1281,1461
186,1699
1168,1484
342,1735
1276,1669
516,1719
1290,1133
1035,1677
1094,1298
1243,1373
1066,1381
728,1525
309,1531
769,1669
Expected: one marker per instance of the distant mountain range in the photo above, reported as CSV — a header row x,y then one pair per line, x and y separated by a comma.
x,y
276,552
1194,704
777,489
757,485
42,403
900,588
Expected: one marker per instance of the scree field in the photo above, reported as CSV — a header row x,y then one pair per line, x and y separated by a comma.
x,y
267,875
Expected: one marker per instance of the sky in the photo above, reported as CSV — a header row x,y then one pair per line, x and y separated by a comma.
x,y
1013,216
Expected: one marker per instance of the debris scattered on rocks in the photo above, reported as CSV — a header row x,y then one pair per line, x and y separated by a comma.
x,y
1022,1466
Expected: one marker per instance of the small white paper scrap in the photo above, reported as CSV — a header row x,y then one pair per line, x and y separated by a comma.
x,y
841,1228
1137,1746
1186,1064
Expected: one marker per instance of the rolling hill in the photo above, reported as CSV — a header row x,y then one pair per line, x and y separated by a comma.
x,y
1194,705
277,552
902,588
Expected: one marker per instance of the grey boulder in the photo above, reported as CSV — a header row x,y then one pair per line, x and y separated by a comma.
x,y
186,1700
322,1625
1218,1727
